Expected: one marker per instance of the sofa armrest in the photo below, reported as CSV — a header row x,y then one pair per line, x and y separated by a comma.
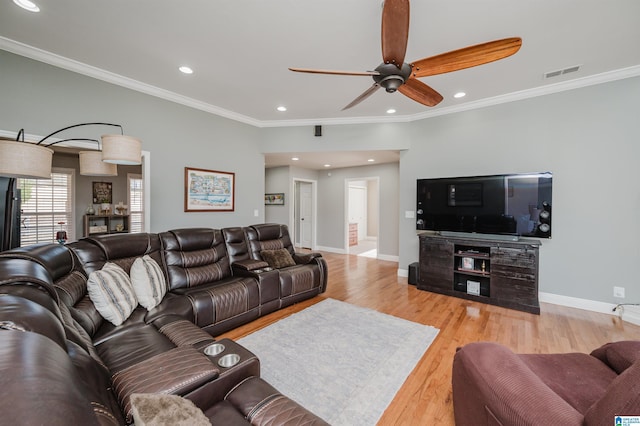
x,y
493,386
249,264
177,372
304,258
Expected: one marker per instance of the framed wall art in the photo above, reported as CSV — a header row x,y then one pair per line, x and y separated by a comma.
x,y
274,199
208,190
102,192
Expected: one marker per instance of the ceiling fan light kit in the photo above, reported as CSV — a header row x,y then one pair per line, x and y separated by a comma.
x,y
396,75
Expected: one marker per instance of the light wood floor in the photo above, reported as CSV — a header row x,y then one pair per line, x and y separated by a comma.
x,y
425,397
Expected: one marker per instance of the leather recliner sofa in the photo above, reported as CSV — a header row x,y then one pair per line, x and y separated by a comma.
x,y
494,386
60,361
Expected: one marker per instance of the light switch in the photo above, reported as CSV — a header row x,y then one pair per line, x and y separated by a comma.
x,y
256,212
409,214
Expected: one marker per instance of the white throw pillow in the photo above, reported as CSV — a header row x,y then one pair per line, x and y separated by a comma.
x,y
148,282
111,292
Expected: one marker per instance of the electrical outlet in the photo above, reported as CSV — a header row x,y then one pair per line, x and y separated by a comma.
x,y
618,292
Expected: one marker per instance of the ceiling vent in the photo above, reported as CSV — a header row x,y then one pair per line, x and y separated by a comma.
x,y
556,73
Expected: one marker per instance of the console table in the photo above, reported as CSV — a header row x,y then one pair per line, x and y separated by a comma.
x,y
502,273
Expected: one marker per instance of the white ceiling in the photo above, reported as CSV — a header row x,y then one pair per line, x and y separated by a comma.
x,y
240,51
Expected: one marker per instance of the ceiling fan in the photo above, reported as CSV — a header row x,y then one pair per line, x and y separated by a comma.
x,y
396,74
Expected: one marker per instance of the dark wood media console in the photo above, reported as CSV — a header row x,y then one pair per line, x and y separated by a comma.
x,y
502,273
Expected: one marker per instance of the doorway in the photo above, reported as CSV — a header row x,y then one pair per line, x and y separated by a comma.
x,y
362,221
304,213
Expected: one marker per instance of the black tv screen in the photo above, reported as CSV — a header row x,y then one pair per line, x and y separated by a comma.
x,y
515,204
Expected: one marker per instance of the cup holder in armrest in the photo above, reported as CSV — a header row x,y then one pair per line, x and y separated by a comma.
x,y
228,360
214,349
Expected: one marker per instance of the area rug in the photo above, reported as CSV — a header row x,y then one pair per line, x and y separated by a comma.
x,y
342,362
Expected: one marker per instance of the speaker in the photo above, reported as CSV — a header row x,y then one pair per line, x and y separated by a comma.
x,y
414,272
544,228
318,131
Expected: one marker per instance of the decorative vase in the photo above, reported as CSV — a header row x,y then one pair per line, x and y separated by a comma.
x,y
90,210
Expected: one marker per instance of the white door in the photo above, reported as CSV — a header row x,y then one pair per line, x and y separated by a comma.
x,y
306,215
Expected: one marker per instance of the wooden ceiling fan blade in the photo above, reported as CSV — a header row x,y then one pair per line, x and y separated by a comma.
x,y
395,31
332,72
370,91
466,57
420,92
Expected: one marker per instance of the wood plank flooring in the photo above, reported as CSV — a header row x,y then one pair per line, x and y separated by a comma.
x,y
425,397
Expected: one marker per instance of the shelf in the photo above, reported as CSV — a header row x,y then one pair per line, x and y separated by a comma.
x,y
105,224
473,272
473,255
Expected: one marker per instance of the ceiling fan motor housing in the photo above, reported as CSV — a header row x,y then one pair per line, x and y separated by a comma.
x,y
391,77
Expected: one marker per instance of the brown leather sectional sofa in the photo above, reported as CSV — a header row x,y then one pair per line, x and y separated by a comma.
x,y
61,362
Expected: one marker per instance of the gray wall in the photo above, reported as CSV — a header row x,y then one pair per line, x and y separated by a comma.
x,y
41,98
278,179
332,207
590,139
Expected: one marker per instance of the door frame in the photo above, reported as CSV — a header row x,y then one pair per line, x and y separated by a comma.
x,y
293,224
346,209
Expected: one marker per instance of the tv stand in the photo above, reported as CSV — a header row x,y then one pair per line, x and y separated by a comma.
x,y
502,273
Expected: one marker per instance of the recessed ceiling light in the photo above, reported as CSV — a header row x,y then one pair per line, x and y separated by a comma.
x,y
460,95
186,70
391,111
294,158
28,5
282,108
371,160
327,165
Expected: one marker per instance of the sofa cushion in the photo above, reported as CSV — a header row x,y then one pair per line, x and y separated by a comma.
x,y
619,355
622,398
577,378
148,282
277,259
111,292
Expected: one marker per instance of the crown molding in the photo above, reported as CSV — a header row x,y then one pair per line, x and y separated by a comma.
x,y
113,78
109,77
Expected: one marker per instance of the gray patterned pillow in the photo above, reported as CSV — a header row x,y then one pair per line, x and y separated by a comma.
x,y
111,292
148,282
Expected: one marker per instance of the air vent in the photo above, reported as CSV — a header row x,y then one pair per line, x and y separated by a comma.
x,y
556,73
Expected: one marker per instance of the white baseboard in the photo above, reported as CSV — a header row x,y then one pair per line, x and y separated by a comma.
x,y
403,272
388,257
630,314
331,250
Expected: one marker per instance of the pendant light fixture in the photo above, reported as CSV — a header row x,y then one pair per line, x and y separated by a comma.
x,y
20,159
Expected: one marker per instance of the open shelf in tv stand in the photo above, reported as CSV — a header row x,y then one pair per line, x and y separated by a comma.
x,y
502,273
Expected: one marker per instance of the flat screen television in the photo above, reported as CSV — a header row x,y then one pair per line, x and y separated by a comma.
x,y
506,205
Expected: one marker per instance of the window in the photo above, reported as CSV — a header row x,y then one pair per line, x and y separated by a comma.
x,y
47,207
135,186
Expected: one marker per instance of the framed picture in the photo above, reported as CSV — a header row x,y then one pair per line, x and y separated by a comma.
x,y
208,190
102,192
275,199
467,263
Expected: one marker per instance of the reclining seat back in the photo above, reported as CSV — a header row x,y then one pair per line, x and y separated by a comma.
x,y
198,267
31,304
303,280
194,257
93,253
